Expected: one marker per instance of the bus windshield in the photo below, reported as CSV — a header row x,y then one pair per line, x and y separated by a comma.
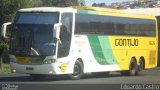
x,y
33,34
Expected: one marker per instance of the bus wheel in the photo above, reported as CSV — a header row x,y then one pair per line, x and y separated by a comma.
x,y
141,65
78,71
38,76
133,68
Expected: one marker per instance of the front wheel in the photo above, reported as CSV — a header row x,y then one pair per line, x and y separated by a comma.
x,y
78,71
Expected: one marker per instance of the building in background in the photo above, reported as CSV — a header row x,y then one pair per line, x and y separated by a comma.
x,y
130,4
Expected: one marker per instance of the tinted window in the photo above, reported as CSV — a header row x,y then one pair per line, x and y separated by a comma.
x,y
109,25
36,18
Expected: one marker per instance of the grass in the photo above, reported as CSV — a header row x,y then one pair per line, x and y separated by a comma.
x,y
6,69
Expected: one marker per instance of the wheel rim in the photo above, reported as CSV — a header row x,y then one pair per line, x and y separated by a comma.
x,y
141,65
76,70
133,68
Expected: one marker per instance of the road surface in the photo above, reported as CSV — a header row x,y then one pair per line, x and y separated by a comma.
x,y
149,77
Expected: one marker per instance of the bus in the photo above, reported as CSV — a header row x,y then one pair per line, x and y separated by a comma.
x,y
148,11
77,40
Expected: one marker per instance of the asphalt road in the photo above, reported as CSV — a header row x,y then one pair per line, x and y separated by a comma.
x,y
147,80
146,76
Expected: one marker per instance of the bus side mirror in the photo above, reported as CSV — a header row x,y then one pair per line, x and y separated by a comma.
x,y
4,29
57,31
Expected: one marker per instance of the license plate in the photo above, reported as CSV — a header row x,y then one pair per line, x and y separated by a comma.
x,y
30,68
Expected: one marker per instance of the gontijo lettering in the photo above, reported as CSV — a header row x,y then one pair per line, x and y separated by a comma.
x,y
126,42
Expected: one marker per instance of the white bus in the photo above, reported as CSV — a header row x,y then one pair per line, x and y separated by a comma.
x,y
77,40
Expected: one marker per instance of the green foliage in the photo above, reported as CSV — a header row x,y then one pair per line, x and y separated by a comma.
x,y
5,69
8,9
57,3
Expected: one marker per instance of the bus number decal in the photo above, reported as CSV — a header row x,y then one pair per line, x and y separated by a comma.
x,y
63,67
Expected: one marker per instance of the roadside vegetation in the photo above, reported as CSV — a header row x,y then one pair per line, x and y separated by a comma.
x,y
5,69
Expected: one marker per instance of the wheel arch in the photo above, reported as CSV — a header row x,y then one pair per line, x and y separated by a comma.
x,y
133,58
79,59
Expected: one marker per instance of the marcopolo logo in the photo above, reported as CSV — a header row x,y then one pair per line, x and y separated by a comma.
x,y
9,87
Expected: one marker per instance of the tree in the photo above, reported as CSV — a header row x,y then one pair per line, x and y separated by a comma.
x,y
8,9
37,3
81,2
57,3
94,4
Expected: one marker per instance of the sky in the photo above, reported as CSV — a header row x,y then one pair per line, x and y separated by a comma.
x,y
90,2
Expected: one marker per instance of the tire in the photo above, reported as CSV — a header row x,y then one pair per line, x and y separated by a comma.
x,y
78,71
141,65
38,76
133,69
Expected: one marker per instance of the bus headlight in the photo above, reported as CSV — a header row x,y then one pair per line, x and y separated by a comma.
x,y
13,60
49,61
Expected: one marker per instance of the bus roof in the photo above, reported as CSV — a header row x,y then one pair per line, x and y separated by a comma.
x,y
100,9
96,10
111,12
47,9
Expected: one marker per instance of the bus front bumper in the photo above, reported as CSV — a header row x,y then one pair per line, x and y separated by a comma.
x,y
52,69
